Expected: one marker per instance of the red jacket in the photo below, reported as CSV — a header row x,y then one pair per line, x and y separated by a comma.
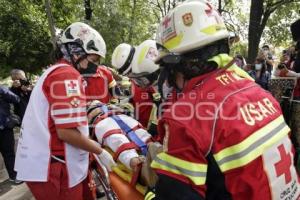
x,y
142,101
98,85
233,121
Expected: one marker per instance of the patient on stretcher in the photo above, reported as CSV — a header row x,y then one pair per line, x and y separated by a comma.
x,y
121,133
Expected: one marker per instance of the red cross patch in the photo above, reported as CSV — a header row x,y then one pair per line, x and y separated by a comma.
x,y
83,33
168,28
282,167
72,88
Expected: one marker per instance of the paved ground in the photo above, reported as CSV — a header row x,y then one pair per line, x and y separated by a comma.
x,y
9,191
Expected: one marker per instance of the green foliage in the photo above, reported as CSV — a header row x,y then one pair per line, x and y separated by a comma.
x,y
121,21
23,36
239,48
277,31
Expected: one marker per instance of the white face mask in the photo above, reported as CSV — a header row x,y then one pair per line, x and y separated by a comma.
x,y
258,66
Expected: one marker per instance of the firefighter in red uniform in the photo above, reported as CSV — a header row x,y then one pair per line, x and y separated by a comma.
x,y
224,137
52,154
138,64
99,80
145,96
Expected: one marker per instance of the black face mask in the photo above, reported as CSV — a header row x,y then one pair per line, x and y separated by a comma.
x,y
90,70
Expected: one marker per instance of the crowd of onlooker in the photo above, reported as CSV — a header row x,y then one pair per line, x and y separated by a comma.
x,y
265,66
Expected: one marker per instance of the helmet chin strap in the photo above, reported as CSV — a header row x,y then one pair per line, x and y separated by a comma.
x,y
76,63
167,74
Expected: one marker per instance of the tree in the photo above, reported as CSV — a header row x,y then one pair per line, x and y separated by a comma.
x,y
277,31
121,21
88,10
260,12
162,7
25,38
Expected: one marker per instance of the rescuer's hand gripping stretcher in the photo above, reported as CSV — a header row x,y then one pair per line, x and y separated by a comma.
x,y
132,149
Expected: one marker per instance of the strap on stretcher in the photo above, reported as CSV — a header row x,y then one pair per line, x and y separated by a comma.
x,y
131,134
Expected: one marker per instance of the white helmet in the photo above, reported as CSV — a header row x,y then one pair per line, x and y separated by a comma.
x,y
144,57
191,25
90,40
122,57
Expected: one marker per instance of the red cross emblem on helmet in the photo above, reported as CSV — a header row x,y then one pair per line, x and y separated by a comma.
x,y
187,19
83,33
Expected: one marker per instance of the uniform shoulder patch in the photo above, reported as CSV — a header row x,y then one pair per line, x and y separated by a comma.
x,y
72,88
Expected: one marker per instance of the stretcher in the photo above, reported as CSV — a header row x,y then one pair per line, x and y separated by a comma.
x,y
117,185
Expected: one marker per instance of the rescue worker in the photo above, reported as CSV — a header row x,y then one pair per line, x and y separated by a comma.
x,y
100,83
145,96
52,154
134,62
122,57
224,137
121,61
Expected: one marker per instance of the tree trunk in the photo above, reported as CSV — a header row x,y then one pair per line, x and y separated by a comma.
x,y
88,10
50,22
132,22
255,29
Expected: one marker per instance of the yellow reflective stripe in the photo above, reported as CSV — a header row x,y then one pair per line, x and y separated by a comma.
x,y
248,141
156,96
112,84
223,59
153,116
174,42
254,154
194,171
125,83
237,70
150,195
142,54
210,30
253,146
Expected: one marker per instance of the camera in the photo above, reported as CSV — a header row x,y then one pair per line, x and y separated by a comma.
x,y
281,66
24,82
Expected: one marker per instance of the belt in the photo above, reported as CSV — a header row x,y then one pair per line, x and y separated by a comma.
x,y
55,159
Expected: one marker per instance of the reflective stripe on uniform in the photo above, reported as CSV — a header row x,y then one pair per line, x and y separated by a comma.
x,y
150,195
113,83
67,111
194,171
70,120
252,147
153,117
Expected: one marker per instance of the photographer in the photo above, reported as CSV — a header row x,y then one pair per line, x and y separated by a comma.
x,y
21,87
7,123
268,57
